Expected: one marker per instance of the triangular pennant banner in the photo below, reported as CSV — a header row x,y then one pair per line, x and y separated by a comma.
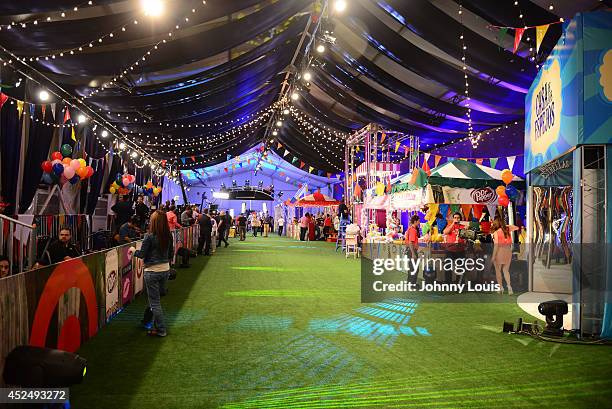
x,y
397,145
518,34
53,106
280,145
294,160
479,161
184,160
43,109
19,107
329,175
286,153
66,115
540,34
437,160
493,162
287,179
193,158
302,164
382,138
72,134
3,99
310,169
320,172
501,35
511,160
426,167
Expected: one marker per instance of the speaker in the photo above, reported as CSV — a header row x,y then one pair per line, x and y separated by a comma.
x,y
30,367
508,327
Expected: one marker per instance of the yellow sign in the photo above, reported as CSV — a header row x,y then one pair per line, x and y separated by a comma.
x,y
546,110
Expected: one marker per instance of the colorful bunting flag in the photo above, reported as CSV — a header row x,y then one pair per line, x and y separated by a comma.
x,y
329,175
382,138
479,161
540,34
302,164
280,145
193,158
3,99
294,160
493,162
287,179
511,160
43,110
437,159
72,134
397,145
310,169
501,36
426,167
53,106
286,153
19,107
518,34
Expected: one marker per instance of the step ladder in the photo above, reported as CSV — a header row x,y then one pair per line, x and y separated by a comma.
x,y
341,240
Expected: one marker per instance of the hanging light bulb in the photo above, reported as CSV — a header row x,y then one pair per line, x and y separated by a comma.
x,y
275,132
153,8
104,133
340,5
285,111
43,95
295,96
122,146
320,48
81,118
307,76
134,154
279,123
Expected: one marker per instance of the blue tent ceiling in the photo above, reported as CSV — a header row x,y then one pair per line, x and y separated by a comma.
x,y
395,62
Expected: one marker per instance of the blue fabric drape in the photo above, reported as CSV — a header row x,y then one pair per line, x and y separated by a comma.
x,y
10,143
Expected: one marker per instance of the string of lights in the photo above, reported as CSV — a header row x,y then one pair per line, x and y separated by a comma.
x,y
305,118
142,58
329,140
474,139
46,18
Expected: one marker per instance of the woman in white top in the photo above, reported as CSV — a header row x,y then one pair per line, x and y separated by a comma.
x,y
213,236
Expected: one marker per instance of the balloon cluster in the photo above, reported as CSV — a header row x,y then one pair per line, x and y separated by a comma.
x,y
123,184
61,168
505,193
150,190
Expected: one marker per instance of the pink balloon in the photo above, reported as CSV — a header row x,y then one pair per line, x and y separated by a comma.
x,y
125,181
75,164
69,172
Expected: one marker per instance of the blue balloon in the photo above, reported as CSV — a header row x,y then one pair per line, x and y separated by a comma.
x,y
130,186
58,169
46,178
74,179
512,192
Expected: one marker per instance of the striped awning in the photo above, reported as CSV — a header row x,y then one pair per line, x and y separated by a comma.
x,y
380,169
462,173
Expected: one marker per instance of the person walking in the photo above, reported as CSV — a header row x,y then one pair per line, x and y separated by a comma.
x,y
304,226
281,223
242,225
222,228
256,224
502,252
156,251
205,233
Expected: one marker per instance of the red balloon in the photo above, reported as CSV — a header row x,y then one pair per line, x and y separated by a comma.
x,y
504,201
56,155
46,166
90,171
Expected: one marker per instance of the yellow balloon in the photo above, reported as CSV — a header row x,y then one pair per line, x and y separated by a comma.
x,y
380,189
82,162
113,189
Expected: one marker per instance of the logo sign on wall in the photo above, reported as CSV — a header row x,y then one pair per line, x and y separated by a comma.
x,y
458,195
127,275
546,105
483,195
112,282
138,268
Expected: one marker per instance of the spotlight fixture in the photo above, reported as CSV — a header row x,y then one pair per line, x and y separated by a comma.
x,y
81,118
307,76
554,312
320,48
153,8
43,95
104,133
247,182
295,96
260,184
234,183
340,5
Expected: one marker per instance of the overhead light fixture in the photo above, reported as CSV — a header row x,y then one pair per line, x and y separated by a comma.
x,y
285,111
295,96
153,8
274,132
320,48
307,76
134,154
279,123
340,5
104,133
122,146
81,118
43,95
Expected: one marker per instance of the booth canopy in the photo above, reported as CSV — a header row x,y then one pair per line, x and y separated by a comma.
x,y
462,173
316,199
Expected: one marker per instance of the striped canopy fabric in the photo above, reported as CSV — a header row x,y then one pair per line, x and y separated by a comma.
x,y
462,173
316,199
380,169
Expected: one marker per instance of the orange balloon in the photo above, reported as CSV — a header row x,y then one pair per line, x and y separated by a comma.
x,y
507,176
82,172
66,161
501,191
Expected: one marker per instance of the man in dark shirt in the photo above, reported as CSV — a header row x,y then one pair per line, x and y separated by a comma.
x,y
59,250
205,233
343,211
129,231
123,211
142,211
242,223
222,227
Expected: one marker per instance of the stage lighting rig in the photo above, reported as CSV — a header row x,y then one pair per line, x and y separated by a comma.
x,y
234,183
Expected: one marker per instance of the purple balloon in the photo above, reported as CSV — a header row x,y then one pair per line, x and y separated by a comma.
x,y
58,169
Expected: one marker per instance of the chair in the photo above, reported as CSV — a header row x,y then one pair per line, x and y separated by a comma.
x,y
351,246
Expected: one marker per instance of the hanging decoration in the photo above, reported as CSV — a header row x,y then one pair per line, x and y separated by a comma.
x,y
151,190
505,191
61,168
123,184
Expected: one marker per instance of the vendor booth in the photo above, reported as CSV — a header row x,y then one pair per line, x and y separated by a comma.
x,y
568,150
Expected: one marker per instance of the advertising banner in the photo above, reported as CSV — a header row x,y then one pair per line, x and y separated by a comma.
x,y
112,282
138,268
127,274
457,195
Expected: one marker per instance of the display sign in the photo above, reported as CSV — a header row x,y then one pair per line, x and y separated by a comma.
x,y
570,100
558,172
458,195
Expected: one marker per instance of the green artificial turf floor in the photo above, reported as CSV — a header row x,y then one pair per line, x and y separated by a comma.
x,y
274,323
